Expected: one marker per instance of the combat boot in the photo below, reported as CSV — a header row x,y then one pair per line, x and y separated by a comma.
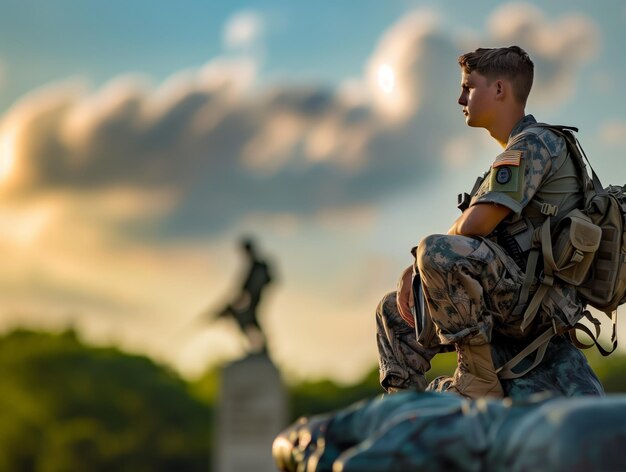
x,y
475,375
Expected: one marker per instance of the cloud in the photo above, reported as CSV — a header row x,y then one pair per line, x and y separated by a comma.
x,y
243,29
612,132
607,159
220,146
405,69
558,47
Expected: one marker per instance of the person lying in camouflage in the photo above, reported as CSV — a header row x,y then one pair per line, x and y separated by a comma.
x,y
441,431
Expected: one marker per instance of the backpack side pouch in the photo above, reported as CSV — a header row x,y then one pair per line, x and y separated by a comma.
x,y
577,240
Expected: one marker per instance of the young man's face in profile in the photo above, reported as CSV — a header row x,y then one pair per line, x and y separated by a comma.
x,y
477,99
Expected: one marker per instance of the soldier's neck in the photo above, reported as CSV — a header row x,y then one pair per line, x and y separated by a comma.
x,y
501,129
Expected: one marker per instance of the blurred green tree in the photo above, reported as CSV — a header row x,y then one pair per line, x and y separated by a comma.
x,y
311,398
66,406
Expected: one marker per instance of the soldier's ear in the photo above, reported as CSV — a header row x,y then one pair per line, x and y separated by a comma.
x,y
500,89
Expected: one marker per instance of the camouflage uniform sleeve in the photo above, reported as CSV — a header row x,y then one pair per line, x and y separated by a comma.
x,y
516,174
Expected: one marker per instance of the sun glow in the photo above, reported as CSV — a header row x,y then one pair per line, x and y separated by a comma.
x,y
390,91
7,154
386,78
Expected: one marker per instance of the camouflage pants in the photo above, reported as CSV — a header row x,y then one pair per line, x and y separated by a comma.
x,y
403,361
471,287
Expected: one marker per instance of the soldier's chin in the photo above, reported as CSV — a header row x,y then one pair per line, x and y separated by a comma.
x,y
470,122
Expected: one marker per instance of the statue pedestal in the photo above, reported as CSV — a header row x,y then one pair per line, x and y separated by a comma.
x,y
252,411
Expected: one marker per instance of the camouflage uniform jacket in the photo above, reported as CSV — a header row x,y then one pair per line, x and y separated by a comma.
x,y
534,176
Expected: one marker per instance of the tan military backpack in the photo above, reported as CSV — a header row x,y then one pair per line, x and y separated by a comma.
x,y
587,249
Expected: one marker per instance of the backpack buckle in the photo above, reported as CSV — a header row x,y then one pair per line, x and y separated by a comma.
x,y
577,256
546,279
548,209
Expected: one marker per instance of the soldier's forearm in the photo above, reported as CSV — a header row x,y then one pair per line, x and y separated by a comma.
x,y
479,220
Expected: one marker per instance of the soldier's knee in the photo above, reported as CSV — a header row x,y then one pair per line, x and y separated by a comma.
x,y
387,304
426,250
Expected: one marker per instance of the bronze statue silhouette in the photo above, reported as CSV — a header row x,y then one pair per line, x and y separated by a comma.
x,y
243,308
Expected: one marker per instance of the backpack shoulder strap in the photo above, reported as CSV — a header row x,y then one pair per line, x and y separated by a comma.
x,y
575,148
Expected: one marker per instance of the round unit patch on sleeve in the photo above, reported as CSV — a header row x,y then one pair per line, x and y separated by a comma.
x,y
503,175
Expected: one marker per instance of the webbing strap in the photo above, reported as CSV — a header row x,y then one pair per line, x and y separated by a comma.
x,y
588,332
597,185
596,324
546,280
540,344
549,266
529,277
533,306
614,331
544,208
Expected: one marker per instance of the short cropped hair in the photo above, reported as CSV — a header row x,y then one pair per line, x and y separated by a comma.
x,y
512,63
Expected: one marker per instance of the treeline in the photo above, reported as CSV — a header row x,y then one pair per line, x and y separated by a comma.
x,y
69,406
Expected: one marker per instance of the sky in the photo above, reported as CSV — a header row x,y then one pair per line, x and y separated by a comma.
x,y
140,140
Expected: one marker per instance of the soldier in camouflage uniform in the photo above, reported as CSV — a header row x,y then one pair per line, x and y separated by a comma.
x,y
471,283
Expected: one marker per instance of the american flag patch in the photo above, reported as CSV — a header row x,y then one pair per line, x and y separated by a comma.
x,y
508,158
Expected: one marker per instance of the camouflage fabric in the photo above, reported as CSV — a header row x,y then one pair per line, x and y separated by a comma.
x,y
544,172
471,286
442,431
536,154
402,361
